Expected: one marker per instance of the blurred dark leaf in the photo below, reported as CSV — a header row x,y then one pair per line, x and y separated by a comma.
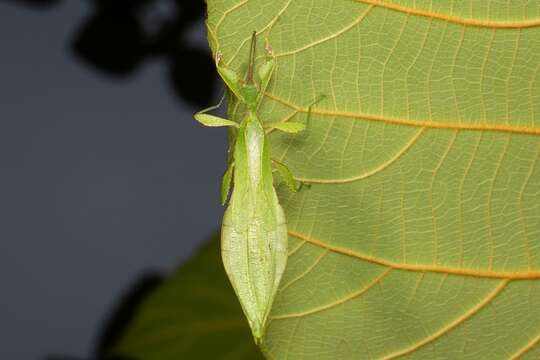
x,y
121,317
121,35
192,315
192,9
112,42
126,311
194,85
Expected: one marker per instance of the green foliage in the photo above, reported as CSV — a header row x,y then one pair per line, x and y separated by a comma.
x,y
420,233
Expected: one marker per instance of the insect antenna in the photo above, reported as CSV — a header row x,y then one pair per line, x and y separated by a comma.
x,y
249,79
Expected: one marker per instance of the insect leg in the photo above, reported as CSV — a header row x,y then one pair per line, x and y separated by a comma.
x,y
319,98
265,72
226,183
212,120
286,175
290,126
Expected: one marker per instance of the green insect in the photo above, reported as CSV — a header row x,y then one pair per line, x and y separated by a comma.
x,y
254,230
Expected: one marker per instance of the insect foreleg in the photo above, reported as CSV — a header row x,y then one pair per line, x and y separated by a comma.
x,y
265,72
212,120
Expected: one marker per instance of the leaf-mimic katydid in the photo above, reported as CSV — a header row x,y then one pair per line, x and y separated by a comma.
x,y
254,230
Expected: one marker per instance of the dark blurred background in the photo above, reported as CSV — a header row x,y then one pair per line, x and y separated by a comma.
x,y
106,181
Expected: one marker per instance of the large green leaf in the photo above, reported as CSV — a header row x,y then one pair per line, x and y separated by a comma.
x,y
420,234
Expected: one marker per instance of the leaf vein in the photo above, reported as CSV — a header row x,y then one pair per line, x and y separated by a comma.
x,y
373,171
356,21
508,275
528,347
338,302
411,122
471,312
307,271
455,19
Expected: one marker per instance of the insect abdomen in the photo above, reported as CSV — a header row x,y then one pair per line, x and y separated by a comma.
x,y
254,232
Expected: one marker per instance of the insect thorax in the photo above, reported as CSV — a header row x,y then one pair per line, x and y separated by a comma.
x,y
250,93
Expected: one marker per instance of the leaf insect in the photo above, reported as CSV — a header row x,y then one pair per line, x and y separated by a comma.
x,y
254,230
